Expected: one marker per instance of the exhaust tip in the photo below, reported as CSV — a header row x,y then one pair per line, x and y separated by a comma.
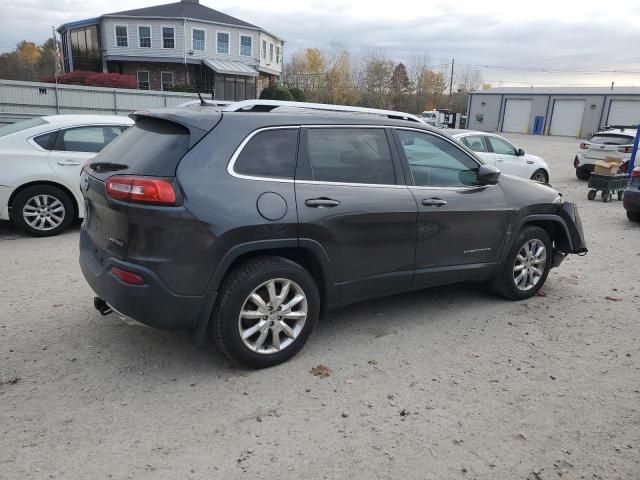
x,y
102,306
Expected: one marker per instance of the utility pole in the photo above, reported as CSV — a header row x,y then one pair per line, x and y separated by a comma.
x,y
451,82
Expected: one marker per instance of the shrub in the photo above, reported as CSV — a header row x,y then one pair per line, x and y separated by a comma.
x,y
276,92
95,79
297,94
183,87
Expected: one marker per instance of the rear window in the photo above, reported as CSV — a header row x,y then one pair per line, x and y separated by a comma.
x,y
271,153
150,147
612,139
20,126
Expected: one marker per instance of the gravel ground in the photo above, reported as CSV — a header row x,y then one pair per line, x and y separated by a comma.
x,y
448,383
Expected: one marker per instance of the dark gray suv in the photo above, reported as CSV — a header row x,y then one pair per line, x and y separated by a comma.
x,y
244,225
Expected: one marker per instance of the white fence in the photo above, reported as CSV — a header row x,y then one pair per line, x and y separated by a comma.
x,y
19,100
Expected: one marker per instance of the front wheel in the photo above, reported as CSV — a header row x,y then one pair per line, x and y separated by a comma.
x,y
582,173
540,176
527,265
267,309
42,210
592,194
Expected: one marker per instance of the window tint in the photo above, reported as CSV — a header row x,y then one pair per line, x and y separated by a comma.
x,y
46,140
475,143
350,155
435,162
500,146
271,153
612,139
86,139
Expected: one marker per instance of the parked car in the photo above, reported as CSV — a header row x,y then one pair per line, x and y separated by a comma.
x,y
500,152
613,142
631,196
40,162
246,225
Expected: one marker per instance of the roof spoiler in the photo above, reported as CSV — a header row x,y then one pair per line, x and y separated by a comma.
x,y
198,122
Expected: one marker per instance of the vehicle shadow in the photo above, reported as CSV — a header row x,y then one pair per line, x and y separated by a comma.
x,y
8,231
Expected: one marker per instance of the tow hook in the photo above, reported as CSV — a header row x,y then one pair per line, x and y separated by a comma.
x,y
102,306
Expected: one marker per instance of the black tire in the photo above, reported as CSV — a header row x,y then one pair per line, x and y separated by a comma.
x,y
592,194
620,193
504,283
26,196
540,175
633,216
582,173
234,292
606,197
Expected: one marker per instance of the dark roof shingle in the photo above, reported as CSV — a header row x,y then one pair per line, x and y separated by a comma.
x,y
184,9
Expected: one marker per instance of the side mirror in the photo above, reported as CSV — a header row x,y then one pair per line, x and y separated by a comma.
x,y
488,175
520,152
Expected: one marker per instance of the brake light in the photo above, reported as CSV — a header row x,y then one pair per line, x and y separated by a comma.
x,y
625,149
584,145
635,172
127,277
141,189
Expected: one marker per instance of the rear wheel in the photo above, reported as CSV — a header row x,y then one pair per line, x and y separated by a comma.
x,y
527,265
540,176
582,173
591,195
606,196
42,210
266,312
633,216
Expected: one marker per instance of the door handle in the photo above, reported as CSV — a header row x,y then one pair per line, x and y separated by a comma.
x,y
322,202
67,163
433,202
530,162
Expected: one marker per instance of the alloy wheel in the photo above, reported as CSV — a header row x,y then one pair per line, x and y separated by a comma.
x,y
539,177
530,264
43,212
273,316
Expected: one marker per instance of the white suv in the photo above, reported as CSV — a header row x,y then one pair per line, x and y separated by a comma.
x,y
612,142
40,162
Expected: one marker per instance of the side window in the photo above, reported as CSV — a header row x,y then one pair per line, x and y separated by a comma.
x,y
501,147
46,140
86,139
475,143
435,162
270,153
350,155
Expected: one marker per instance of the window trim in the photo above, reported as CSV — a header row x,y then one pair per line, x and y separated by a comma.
x,y
148,79
490,145
405,164
115,34
61,130
150,35
173,79
483,139
193,29
240,45
278,54
175,43
228,43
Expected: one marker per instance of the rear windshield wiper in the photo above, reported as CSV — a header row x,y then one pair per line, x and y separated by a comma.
x,y
107,166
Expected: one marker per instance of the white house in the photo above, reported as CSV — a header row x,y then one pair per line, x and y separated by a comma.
x,y
225,56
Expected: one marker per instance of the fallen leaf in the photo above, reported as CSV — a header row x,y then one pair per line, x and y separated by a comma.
x,y
372,362
613,299
320,371
540,293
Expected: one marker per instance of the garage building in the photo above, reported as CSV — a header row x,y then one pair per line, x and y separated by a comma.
x,y
571,112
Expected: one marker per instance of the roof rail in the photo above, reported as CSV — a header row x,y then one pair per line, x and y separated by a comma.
x,y
268,105
621,127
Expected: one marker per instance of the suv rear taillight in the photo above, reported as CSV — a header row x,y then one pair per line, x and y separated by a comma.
x,y
635,172
625,149
584,145
141,190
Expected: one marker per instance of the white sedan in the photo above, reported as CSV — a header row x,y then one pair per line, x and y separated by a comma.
x,y
503,154
40,163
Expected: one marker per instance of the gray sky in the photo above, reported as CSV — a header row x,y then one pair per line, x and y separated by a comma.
x,y
555,34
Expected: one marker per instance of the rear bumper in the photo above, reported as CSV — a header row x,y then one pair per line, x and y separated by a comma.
x,y
153,303
631,200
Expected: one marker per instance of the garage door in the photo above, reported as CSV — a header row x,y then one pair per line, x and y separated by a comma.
x,y
517,116
566,119
624,112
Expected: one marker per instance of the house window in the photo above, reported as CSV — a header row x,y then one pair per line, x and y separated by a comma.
x,y
168,37
122,37
264,49
278,54
143,80
223,43
271,52
144,36
167,81
245,45
199,37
